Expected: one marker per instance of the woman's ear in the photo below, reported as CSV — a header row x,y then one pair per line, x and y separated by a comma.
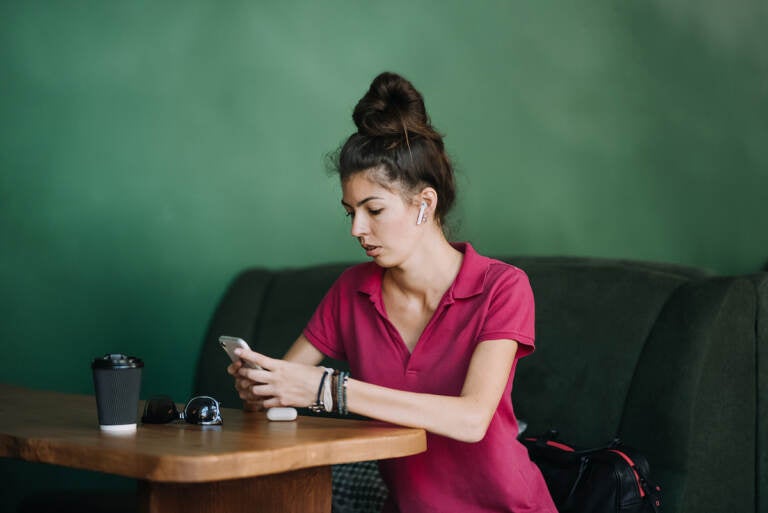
x,y
427,200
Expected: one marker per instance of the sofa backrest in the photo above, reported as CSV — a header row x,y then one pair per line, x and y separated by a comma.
x,y
593,318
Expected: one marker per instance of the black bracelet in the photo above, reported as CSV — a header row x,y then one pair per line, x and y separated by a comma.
x,y
318,406
334,389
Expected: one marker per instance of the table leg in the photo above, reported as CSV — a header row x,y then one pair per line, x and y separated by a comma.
x,y
299,491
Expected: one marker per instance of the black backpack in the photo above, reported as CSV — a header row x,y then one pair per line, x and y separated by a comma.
x,y
609,479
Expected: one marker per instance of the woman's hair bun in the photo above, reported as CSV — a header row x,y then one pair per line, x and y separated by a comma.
x,y
391,107
396,142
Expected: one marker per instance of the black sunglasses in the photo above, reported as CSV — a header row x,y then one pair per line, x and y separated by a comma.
x,y
203,410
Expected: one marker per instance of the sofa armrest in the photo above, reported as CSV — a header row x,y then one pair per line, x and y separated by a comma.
x,y
691,405
760,282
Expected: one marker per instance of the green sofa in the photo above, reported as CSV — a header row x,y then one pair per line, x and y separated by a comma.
x,y
669,358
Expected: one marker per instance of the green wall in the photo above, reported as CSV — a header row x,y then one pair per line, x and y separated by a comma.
x,y
151,150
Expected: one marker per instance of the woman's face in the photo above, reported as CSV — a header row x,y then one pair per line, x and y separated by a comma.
x,y
382,221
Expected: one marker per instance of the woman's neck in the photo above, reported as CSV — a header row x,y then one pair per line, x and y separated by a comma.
x,y
428,273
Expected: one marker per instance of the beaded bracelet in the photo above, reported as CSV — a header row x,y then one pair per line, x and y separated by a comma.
x,y
341,392
337,388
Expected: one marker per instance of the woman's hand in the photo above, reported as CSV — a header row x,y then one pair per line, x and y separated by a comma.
x,y
242,385
277,383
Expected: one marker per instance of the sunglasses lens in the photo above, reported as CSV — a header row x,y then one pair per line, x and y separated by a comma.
x,y
202,410
159,410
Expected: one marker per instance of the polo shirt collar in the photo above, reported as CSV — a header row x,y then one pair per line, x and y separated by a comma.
x,y
471,278
469,282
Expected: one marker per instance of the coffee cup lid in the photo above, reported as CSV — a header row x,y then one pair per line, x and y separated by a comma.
x,y
116,361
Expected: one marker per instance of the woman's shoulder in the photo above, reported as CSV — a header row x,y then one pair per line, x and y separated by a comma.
x,y
359,275
495,269
502,268
504,274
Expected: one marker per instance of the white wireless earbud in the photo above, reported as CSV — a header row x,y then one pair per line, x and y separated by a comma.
x,y
422,217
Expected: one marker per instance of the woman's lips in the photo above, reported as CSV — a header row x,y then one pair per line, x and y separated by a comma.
x,y
371,251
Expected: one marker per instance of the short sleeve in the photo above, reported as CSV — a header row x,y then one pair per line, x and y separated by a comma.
x,y
511,309
323,329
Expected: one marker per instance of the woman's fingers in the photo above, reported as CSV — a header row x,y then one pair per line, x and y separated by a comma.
x,y
262,391
272,403
255,375
247,393
233,367
250,390
243,384
253,405
256,397
265,362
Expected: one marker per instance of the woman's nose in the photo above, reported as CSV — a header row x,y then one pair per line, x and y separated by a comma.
x,y
359,227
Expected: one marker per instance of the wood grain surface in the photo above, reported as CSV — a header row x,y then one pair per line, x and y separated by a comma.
x,y
62,429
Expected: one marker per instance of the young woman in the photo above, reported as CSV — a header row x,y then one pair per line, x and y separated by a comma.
x,y
432,330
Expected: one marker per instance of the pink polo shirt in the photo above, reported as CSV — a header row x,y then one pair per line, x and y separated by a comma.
x,y
488,300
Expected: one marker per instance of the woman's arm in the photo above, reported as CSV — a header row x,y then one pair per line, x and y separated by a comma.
x,y
465,417
302,351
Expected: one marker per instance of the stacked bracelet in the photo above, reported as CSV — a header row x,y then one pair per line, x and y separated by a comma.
x,y
332,392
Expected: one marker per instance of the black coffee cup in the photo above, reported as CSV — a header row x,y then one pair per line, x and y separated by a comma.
x,y
117,381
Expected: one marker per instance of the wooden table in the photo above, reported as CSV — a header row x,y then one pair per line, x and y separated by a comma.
x,y
247,464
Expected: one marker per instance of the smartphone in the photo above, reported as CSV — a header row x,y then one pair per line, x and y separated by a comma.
x,y
229,344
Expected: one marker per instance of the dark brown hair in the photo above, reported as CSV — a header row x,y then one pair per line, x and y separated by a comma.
x,y
396,140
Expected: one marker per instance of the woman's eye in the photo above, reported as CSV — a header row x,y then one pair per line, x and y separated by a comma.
x,y
351,214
